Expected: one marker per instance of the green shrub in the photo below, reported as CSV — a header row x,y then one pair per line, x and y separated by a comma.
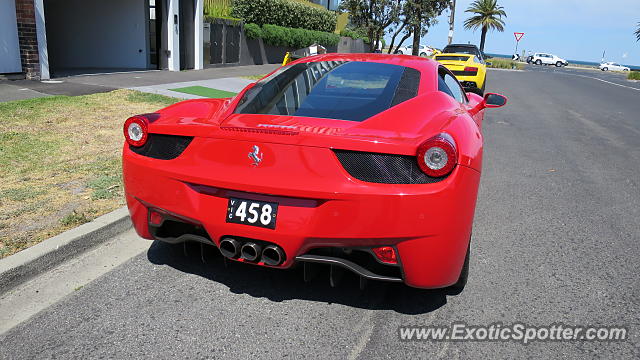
x,y
217,8
252,31
634,75
501,63
297,38
355,34
284,13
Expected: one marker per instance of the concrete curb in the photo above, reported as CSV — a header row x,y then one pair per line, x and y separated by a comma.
x,y
25,265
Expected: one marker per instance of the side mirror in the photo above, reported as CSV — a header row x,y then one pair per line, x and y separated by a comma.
x,y
492,100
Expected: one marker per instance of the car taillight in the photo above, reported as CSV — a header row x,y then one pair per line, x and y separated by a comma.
x,y
386,254
437,156
470,69
136,130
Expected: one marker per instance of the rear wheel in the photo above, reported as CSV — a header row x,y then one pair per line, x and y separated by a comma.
x,y
538,62
423,54
605,69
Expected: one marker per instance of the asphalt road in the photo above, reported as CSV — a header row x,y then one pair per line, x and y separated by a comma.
x,y
556,240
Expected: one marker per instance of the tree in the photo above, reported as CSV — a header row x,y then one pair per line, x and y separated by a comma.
x,y
424,15
414,19
488,16
452,18
638,32
373,16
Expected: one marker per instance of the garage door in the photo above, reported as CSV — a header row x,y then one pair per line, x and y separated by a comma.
x,y
9,46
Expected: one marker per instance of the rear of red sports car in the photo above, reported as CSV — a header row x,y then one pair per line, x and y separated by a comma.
x,y
361,162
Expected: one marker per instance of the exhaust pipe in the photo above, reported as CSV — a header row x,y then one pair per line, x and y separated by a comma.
x,y
250,251
229,247
272,255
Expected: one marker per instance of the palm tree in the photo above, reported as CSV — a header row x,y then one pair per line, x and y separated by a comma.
x,y
638,32
488,16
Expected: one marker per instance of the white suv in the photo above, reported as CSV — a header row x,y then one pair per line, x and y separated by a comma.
x,y
611,66
548,59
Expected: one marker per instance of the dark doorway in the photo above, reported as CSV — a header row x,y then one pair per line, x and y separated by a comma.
x,y
217,40
232,44
187,38
155,33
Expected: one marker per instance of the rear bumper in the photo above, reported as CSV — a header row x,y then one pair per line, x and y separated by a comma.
x,y
428,224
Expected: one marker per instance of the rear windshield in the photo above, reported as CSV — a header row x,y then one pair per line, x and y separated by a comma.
x,y
343,90
452,57
460,50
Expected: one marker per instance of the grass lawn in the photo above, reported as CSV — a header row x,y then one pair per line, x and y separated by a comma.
x,y
205,91
60,162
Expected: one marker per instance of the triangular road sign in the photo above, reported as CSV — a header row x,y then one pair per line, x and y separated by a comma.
x,y
518,35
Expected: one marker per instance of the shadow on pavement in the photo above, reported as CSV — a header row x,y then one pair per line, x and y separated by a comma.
x,y
279,285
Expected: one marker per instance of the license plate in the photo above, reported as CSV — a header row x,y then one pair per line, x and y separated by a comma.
x,y
252,212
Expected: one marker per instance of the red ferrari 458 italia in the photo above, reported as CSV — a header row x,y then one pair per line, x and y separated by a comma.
x,y
364,162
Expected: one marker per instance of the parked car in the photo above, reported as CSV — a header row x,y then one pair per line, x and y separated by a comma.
x,y
408,50
464,49
548,59
368,163
424,50
611,66
470,71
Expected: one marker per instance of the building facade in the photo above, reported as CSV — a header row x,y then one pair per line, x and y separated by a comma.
x,y
44,38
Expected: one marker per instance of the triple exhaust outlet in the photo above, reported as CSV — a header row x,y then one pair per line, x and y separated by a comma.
x,y
271,255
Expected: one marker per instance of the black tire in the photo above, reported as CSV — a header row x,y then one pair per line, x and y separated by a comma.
x,y
399,52
457,288
423,54
538,62
559,64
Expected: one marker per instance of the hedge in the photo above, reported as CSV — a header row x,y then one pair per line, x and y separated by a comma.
x,y
296,38
634,75
284,13
354,34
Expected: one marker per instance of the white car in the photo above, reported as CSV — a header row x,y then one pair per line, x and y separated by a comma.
x,y
407,50
611,66
548,59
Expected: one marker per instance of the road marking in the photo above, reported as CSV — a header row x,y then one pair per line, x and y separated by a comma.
x,y
605,81
364,338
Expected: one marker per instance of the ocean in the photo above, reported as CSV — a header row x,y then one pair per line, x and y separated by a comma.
x,y
577,62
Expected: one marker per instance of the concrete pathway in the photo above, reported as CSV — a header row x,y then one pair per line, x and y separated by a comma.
x,y
9,92
153,81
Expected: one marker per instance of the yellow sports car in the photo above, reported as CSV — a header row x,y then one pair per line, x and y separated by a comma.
x,y
470,70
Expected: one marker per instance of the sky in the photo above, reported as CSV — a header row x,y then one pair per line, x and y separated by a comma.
x,y
570,29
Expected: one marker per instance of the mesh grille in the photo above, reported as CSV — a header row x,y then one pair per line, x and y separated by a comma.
x,y
383,168
407,87
163,147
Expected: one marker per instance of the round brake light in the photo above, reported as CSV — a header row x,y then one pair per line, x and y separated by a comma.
x,y
437,156
136,131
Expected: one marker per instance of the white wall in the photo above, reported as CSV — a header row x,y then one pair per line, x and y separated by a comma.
x,y
9,46
96,34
